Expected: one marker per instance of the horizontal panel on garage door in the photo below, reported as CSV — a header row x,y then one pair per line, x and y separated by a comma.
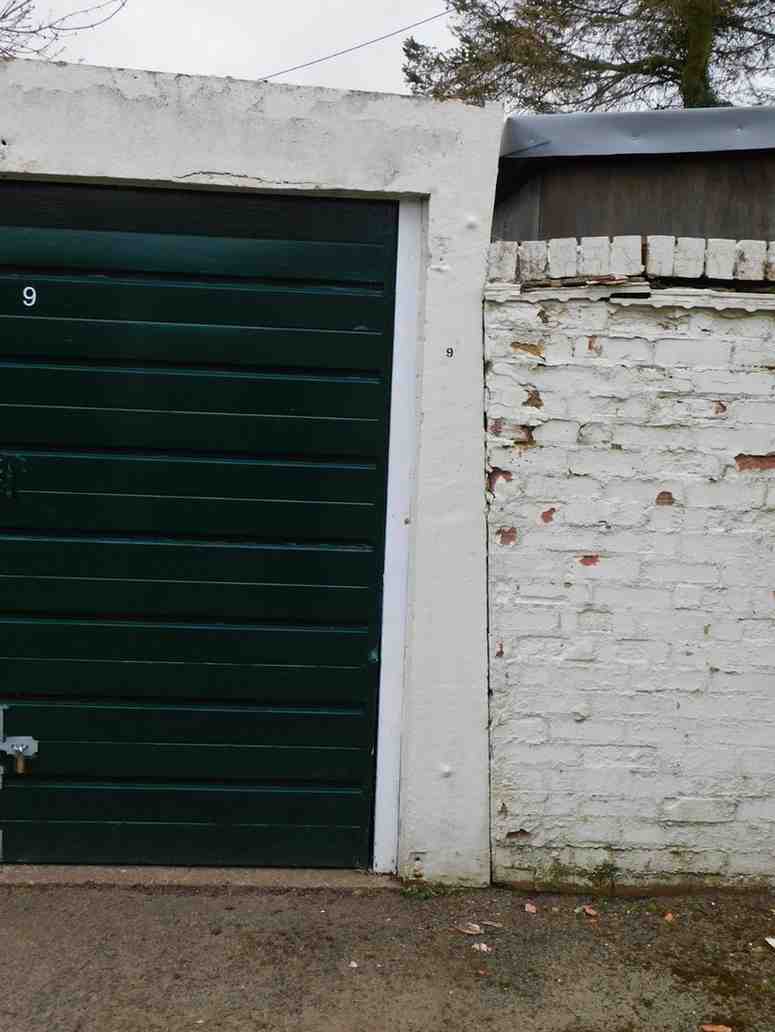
x,y
135,299
197,497
199,411
194,408
98,251
155,343
299,681
83,576
247,727
259,844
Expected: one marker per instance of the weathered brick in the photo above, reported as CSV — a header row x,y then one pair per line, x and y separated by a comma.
x,y
751,260
693,353
533,259
502,261
689,258
595,256
660,252
720,258
633,711
698,811
627,256
762,809
563,258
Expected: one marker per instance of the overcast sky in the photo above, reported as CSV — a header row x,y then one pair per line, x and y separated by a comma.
x,y
249,39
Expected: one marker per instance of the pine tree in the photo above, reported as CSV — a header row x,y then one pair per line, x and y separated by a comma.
x,y
587,55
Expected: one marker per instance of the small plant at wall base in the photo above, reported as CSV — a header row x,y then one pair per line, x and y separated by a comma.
x,y
26,32
587,55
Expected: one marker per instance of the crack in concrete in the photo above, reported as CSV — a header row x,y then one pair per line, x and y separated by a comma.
x,y
245,175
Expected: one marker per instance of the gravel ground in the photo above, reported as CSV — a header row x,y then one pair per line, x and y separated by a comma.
x,y
97,959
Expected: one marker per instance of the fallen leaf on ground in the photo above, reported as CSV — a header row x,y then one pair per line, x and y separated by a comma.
x,y
482,947
531,908
492,924
670,918
770,941
469,929
590,911
715,1028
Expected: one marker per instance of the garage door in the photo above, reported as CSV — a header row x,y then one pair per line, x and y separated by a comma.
x,y
194,403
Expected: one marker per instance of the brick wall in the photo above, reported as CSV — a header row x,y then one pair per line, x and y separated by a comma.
x,y
631,476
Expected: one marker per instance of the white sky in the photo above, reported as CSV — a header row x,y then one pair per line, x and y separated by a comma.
x,y
249,39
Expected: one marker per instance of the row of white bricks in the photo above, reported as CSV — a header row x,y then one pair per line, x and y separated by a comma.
x,y
631,256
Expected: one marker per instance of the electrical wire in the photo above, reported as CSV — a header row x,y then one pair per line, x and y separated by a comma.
x,y
358,46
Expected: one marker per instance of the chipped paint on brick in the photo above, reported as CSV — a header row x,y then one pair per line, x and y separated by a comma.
x,y
497,474
594,346
590,560
507,535
746,463
537,350
665,498
548,515
523,435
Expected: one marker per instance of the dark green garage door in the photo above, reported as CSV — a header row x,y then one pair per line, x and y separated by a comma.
x,y
194,401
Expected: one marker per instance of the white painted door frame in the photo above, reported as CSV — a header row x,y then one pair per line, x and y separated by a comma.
x,y
402,464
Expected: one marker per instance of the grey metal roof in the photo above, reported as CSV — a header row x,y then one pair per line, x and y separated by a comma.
x,y
528,137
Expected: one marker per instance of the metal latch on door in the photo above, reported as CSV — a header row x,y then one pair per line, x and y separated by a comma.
x,y
22,748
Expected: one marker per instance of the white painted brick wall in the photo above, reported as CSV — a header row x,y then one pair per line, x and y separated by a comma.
x,y
631,450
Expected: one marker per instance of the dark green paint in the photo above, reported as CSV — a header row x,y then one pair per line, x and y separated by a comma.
x,y
193,448
214,346
230,258
106,841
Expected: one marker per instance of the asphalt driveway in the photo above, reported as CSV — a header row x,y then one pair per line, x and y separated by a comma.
x,y
106,959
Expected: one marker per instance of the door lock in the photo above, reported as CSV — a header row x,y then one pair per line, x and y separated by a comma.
x,y
22,748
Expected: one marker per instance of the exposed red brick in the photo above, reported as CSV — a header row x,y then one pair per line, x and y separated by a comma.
x,y
665,498
495,475
495,426
589,560
507,535
534,399
720,408
549,515
531,349
594,346
755,462
499,651
522,435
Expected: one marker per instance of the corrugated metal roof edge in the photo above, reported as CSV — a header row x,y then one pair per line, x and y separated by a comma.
x,y
694,131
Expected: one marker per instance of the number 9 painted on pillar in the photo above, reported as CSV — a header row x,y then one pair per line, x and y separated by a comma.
x,y
29,297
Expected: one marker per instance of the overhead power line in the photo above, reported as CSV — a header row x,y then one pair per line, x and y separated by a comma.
x,y
358,46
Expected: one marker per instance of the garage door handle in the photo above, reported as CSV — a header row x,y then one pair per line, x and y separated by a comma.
x,y
21,748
